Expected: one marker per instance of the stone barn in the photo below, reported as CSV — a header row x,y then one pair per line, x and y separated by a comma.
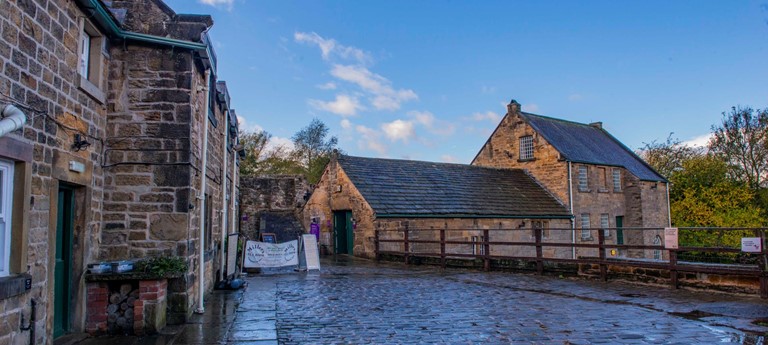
x,y
357,195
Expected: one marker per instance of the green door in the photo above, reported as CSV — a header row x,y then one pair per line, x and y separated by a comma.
x,y
63,263
619,231
342,228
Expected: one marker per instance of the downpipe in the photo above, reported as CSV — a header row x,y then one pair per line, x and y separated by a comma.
x,y
201,196
32,319
573,216
224,203
12,119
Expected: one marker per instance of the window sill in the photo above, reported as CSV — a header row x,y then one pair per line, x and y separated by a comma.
x,y
602,190
587,239
585,190
617,190
526,160
91,90
13,285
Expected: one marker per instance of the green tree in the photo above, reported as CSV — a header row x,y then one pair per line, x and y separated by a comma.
x,y
313,150
261,159
742,141
668,157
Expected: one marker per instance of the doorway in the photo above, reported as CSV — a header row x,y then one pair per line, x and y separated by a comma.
x,y
65,220
619,230
343,232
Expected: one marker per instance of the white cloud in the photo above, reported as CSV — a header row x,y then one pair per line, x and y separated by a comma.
x,y
423,117
327,86
218,3
449,159
486,116
384,96
488,89
399,130
428,120
370,140
530,107
344,105
330,47
575,97
246,126
276,143
699,141
346,124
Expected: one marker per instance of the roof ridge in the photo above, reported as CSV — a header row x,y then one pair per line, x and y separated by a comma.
x,y
557,119
432,162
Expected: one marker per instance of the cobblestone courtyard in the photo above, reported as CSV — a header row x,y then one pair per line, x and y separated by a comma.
x,y
354,301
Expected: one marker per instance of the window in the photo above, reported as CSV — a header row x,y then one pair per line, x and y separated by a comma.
x,y
583,179
526,147
602,180
616,180
208,222
585,226
92,49
604,224
6,194
540,224
657,252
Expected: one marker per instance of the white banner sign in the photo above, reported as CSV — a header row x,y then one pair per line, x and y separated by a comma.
x,y
751,244
311,251
260,254
670,238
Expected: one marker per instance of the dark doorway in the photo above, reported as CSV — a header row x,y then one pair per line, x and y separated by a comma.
x,y
619,230
342,230
63,261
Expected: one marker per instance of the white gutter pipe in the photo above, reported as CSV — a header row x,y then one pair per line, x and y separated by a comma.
x,y
232,223
573,216
12,119
224,215
201,197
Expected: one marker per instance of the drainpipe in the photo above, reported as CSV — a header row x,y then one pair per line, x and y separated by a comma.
x,y
224,197
201,197
232,223
12,119
669,211
573,219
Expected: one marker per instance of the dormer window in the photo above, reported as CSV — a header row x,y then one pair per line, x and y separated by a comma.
x,y
526,148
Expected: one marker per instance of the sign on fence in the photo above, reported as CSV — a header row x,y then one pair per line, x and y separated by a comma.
x,y
670,238
751,244
261,254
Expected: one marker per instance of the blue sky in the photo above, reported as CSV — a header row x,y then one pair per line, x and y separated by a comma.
x,y
428,80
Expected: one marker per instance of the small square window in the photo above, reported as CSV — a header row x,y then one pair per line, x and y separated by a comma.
x,y
526,147
616,180
583,178
585,234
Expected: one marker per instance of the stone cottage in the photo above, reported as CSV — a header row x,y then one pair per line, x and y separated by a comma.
x,y
116,143
602,183
356,196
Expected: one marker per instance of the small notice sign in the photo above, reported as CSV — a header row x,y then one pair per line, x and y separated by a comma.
x,y
261,254
670,238
311,251
751,244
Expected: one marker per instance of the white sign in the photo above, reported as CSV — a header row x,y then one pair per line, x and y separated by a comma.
x,y
231,254
260,254
670,238
311,251
751,245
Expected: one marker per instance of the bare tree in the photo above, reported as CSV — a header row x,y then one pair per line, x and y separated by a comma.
x,y
742,141
668,157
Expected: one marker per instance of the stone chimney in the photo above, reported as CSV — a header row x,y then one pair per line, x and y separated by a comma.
x,y
598,125
513,107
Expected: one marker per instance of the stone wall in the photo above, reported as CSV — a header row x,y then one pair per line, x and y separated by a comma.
x,y
38,65
272,203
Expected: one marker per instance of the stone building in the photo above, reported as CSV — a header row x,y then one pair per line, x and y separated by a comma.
x,y
602,182
272,204
104,156
356,196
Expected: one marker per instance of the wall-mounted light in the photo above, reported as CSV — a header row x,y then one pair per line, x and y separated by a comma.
x,y
80,143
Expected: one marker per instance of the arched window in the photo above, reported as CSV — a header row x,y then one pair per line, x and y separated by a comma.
x,y
657,252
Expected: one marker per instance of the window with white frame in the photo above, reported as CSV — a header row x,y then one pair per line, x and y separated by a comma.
x,y
6,194
585,226
91,62
540,224
616,180
583,178
657,252
604,224
526,147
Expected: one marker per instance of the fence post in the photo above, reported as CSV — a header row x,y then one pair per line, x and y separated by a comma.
x,y
486,251
539,251
406,245
601,254
763,268
442,245
376,241
673,267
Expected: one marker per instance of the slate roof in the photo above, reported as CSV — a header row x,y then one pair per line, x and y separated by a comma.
x,y
582,143
426,189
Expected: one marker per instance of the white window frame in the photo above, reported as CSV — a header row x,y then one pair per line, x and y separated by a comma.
x,y
616,180
605,223
526,147
583,178
92,52
6,207
585,226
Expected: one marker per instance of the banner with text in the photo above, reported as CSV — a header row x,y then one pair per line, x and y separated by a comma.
x,y
260,254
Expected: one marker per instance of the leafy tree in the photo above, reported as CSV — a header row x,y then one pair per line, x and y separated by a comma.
x,y
312,149
742,141
260,159
668,157
254,144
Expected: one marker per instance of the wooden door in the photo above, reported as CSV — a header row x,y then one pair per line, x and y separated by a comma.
x,y
63,262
